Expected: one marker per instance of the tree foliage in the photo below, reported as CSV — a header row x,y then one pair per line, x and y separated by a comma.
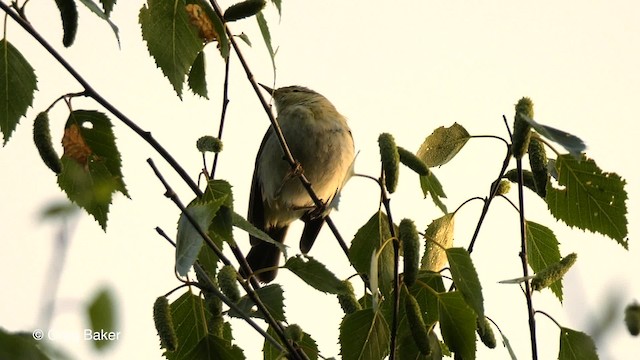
x,y
433,322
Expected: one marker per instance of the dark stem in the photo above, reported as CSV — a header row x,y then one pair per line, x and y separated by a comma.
x,y
492,193
248,289
210,287
223,113
525,265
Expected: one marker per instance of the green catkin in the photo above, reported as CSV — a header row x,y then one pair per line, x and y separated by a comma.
x,y
553,273
416,324
503,187
410,240
632,318
390,159
348,302
413,162
486,334
294,332
527,178
521,128
227,278
42,139
538,162
209,143
69,14
164,324
243,10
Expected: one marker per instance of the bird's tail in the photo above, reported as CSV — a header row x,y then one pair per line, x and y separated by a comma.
x,y
264,255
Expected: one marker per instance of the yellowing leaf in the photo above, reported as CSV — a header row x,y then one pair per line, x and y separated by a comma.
x,y
199,18
439,236
91,165
74,145
442,145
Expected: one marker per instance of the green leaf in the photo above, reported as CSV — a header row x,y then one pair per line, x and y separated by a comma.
x,y
187,314
102,318
590,198
172,41
576,345
316,274
188,240
91,165
278,4
427,286
107,5
364,335
466,279
431,185
307,344
507,344
368,239
443,144
440,231
542,251
266,36
272,298
213,347
20,346
244,37
197,77
69,15
457,324
573,144
104,15
242,223
17,85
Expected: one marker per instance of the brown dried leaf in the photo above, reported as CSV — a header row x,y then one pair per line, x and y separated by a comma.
x,y
199,19
74,145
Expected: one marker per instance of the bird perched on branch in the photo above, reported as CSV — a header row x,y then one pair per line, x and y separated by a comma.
x,y
321,143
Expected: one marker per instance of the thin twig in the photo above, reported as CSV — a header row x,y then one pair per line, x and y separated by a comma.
x,y
525,265
208,286
223,113
492,193
248,289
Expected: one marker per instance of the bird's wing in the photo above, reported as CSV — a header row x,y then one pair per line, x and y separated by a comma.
x,y
256,205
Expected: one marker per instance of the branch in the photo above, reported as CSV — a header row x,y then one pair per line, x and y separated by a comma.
x,y
247,288
223,113
525,266
89,91
209,286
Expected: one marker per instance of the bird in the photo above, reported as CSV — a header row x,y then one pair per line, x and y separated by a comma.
x,y
321,142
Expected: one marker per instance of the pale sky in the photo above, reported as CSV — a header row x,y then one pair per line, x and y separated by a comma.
x,y
405,70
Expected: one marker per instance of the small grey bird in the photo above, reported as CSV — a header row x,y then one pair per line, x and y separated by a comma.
x,y
320,140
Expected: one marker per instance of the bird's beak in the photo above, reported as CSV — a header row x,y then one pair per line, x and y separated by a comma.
x,y
269,90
